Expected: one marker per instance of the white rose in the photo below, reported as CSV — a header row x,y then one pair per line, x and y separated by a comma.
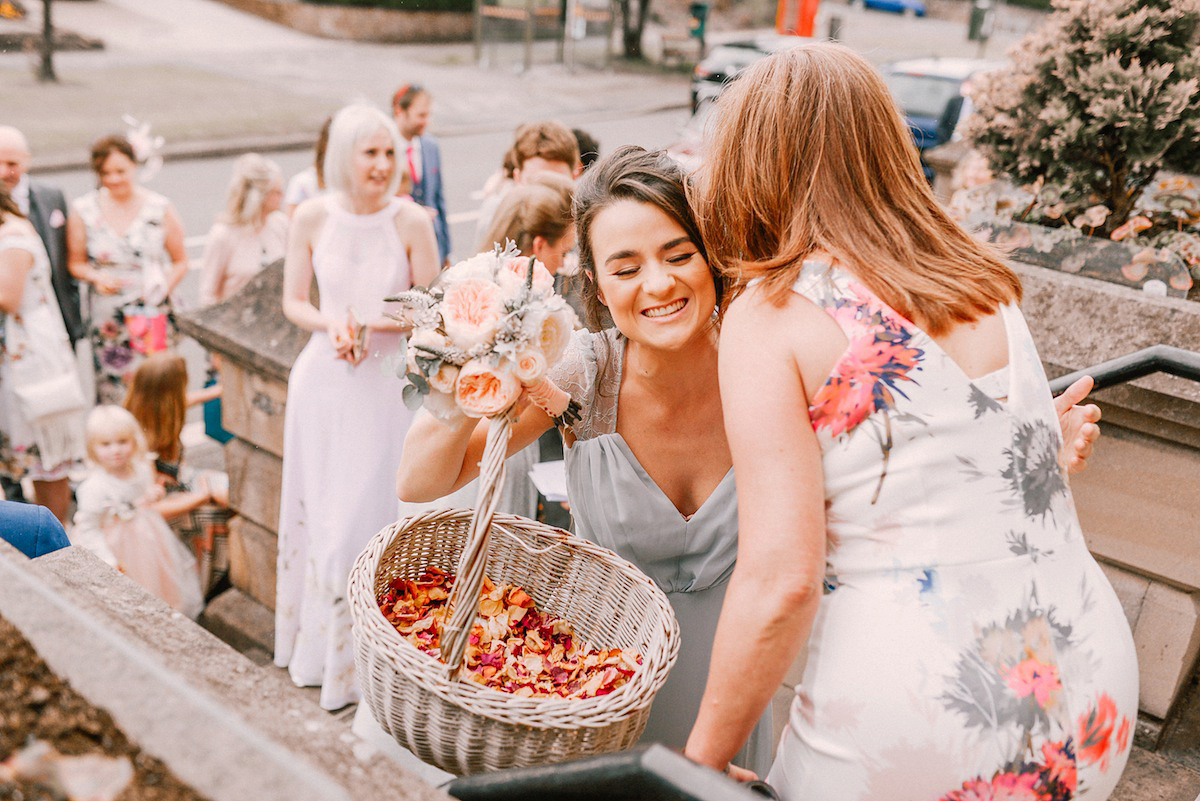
x,y
442,406
529,366
481,265
555,333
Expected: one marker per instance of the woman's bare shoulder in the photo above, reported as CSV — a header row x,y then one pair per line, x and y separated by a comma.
x,y
311,213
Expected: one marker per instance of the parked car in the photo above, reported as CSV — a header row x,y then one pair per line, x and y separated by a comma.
x,y
914,7
727,59
934,96
933,93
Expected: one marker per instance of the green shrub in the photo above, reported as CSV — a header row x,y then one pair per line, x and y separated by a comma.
x,y
1098,101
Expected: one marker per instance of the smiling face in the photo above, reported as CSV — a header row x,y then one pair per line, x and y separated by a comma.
x,y
117,174
651,276
373,163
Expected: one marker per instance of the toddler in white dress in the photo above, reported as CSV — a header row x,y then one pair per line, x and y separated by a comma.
x,y
116,515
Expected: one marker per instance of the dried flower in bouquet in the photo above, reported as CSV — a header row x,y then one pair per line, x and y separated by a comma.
x,y
490,328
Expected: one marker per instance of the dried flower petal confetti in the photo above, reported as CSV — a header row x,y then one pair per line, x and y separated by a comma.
x,y
513,647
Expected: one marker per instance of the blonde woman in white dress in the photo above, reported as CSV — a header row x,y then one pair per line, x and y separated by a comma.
x,y
345,420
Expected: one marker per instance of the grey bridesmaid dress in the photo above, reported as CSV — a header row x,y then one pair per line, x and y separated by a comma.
x,y
615,503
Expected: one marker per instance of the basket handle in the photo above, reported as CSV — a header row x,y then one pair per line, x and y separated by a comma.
x,y
464,598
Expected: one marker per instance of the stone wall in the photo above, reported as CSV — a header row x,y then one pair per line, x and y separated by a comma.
x,y
1139,499
362,24
228,728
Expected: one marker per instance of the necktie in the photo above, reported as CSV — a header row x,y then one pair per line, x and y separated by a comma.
x,y
412,169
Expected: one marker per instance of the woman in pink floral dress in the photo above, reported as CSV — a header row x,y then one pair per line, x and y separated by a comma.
x,y
902,505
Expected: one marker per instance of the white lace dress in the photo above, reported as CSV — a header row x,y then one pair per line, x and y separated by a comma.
x,y
344,429
615,503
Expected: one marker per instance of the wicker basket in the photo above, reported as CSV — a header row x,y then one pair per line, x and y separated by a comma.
x,y
465,728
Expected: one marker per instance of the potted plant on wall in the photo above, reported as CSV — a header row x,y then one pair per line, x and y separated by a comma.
x,y
1090,136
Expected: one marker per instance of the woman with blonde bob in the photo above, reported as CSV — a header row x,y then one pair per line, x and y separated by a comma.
x,y
251,233
903,507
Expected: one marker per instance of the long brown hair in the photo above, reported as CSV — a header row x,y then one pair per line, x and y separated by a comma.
x,y
158,400
8,206
809,153
631,173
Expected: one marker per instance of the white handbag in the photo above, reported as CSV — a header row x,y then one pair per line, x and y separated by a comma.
x,y
50,396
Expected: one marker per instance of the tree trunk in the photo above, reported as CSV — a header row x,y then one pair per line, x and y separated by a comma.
x,y
633,23
46,67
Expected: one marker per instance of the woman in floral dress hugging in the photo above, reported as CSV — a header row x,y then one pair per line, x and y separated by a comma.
x,y
903,510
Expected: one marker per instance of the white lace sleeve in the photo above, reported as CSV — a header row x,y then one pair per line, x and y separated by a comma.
x,y
576,373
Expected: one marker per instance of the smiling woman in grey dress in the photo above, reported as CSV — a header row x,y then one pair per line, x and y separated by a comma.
x,y
648,468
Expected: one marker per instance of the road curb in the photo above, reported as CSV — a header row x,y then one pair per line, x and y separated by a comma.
x,y
232,146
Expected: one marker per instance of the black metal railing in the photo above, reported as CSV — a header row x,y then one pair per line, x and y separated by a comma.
x,y
1154,359
652,773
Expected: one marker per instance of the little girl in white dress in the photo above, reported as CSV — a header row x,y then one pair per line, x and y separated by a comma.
x,y
116,515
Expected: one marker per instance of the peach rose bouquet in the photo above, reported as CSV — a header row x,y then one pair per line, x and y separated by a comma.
x,y
489,329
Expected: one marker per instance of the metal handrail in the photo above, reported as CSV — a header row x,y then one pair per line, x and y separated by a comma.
x,y
1154,359
653,773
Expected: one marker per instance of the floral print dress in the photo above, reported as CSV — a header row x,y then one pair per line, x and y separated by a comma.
x,y
137,320
968,646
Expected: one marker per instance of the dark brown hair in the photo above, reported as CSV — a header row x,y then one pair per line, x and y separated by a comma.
x,y
631,173
106,146
319,151
8,205
808,153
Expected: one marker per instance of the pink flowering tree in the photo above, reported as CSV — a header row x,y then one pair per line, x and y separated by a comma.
x,y
1098,102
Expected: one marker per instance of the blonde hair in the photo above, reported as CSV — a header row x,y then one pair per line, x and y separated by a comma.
x,y
109,419
157,399
253,178
809,153
539,208
349,128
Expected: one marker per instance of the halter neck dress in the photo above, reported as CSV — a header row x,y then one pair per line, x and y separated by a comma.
x,y
344,428
615,503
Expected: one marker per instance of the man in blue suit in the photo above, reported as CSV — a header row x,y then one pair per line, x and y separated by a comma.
x,y
411,105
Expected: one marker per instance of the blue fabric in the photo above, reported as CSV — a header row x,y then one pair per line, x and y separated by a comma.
x,y
32,530
212,417
428,192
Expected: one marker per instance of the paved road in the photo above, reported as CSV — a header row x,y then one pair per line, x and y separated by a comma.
x,y
202,72
197,186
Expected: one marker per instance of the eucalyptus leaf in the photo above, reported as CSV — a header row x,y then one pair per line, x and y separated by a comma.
x,y
420,382
412,397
